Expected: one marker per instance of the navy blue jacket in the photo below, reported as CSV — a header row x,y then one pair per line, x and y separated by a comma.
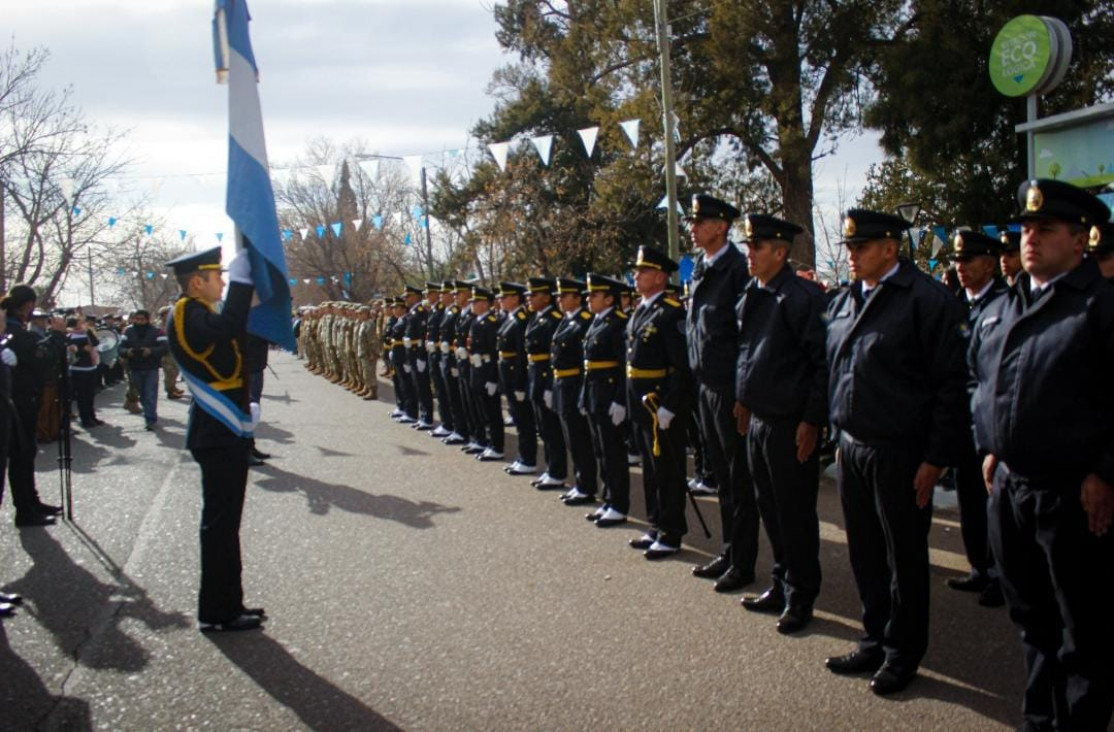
x,y
1043,400
567,355
782,370
713,332
603,343
656,345
539,336
896,365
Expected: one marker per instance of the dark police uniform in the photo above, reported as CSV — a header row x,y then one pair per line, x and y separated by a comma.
x,y
969,483
484,353
433,349
897,398
713,337
204,344
1042,408
567,362
658,376
1101,242
468,399
388,349
782,378
514,377
605,387
414,340
539,336
450,371
400,359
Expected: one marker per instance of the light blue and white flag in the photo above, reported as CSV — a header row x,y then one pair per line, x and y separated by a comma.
x,y
250,201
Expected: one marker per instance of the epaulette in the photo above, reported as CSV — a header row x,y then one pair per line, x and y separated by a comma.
x,y
585,315
522,315
555,315
492,319
670,301
621,315
421,308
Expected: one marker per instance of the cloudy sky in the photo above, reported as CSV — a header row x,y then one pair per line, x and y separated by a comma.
x,y
405,76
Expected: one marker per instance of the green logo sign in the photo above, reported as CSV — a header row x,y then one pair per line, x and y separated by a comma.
x,y
1021,56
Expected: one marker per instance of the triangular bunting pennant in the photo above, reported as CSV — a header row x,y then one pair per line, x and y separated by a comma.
x,y
293,281
416,212
377,222
499,151
326,172
287,234
149,229
77,210
337,228
414,163
181,234
304,233
370,168
357,223
630,127
588,136
406,240
66,185
321,231
938,240
306,280
544,146
990,230
111,221
931,264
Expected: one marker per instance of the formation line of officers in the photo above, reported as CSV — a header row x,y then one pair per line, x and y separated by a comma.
x,y
1006,384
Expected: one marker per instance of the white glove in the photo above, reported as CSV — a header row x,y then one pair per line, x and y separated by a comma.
x,y
421,366
445,348
618,413
491,387
9,358
406,341
520,396
429,347
406,368
239,270
256,412
547,397
454,372
665,418
477,360
583,412
462,353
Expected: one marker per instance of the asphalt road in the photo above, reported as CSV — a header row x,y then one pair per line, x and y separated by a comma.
x,y
412,587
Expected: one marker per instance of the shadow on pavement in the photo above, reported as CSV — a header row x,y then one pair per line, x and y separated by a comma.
x,y
321,497
25,699
284,399
319,704
70,602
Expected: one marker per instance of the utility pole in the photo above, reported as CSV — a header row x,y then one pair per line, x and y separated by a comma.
x,y
3,250
425,223
92,299
662,21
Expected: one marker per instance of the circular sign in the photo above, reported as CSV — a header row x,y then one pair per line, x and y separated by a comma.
x,y
1022,55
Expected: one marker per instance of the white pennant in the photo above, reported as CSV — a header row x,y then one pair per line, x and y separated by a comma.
x,y
679,171
544,146
937,244
357,223
414,162
370,168
327,172
156,186
499,150
304,233
306,280
66,184
588,137
665,204
631,128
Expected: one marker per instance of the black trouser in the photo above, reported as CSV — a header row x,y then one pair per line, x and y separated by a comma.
x,y
404,373
787,491
438,375
970,490
522,413
663,477
611,453
1058,580
574,426
423,392
22,449
701,465
470,405
459,422
84,385
553,440
726,452
490,409
887,538
224,477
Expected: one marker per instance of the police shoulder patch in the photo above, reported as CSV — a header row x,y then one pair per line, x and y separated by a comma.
x,y
522,315
585,315
620,315
555,315
671,302
492,319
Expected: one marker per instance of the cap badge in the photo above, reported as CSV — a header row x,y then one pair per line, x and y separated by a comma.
x,y
748,227
848,226
1034,199
1096,236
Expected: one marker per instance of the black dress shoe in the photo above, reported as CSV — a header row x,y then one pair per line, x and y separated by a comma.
x,y
992,595
255,462
971,583
259,454
660,550
242,622
581,500
733,579
256,611
36,519
713,569
643,542
10,599
47,509
770,601
856,662
794,619
6,610
891,679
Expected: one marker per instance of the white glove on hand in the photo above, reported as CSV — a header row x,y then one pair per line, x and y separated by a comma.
x,y
583,412
406,341
430,347
462,354
477,360
406,368
665,418
9,358
520,396
454,372
256,413
421,367
239,270
547,397
491,387
618,413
